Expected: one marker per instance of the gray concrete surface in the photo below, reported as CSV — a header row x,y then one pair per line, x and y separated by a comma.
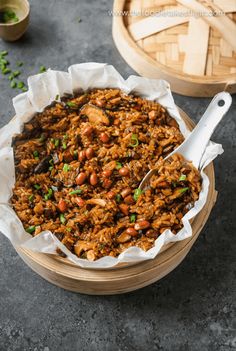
x,y
193,308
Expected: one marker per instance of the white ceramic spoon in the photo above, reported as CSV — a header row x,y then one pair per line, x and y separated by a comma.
x,y
194,146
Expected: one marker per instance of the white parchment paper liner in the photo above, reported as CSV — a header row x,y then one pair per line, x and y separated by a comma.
x,y
43,88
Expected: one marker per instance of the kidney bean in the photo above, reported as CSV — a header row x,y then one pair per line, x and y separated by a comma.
x,y
107,183
107,173
104,137
124,209
88,131
89,153
93,179
80,179
129,200
141,225
82,155
62,205
125,192
111,195
150,233
124,172
131,231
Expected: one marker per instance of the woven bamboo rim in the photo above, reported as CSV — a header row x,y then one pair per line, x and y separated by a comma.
x,y
122,278
170,54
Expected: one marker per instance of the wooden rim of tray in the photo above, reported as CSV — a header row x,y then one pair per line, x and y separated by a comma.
x,y
149,64
122,278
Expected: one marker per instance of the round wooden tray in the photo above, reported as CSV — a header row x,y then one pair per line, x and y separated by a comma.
x,y
190,53
120,279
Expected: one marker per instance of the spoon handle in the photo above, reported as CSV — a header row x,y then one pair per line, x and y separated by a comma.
x,y
194,146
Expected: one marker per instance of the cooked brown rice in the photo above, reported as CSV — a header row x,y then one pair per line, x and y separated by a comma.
x,y
79,164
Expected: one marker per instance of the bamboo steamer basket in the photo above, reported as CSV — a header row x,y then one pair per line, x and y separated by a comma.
x,y
197,56
124,277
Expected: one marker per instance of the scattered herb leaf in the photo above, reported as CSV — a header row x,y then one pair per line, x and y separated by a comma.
x,y
118,198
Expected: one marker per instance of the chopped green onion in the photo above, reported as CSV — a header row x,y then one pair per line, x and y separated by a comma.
x,y
50,168
183,190
118,165
4,62
75,153
64,146
6,70
24,89
49,194
31,229
133,218
42,69
56,142
4,53
134,139
11,77
57,97
13,84
20,85
66,167
42,138
31,197
19,63
51,162
62,218
72,104
137,193
37,186
182,177
79,19
74,192
36,153
16,73
69,229
174,184
118,198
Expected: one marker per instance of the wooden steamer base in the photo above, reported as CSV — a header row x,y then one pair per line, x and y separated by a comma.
x,y
197,56
123,278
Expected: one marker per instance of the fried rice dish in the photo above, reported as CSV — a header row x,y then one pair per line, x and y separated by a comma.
x,y
78,167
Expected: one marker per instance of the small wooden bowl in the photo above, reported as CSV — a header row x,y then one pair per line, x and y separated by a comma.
x,y
13,31
124,277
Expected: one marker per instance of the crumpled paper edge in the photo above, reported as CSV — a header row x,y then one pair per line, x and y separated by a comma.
x,y
43,89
